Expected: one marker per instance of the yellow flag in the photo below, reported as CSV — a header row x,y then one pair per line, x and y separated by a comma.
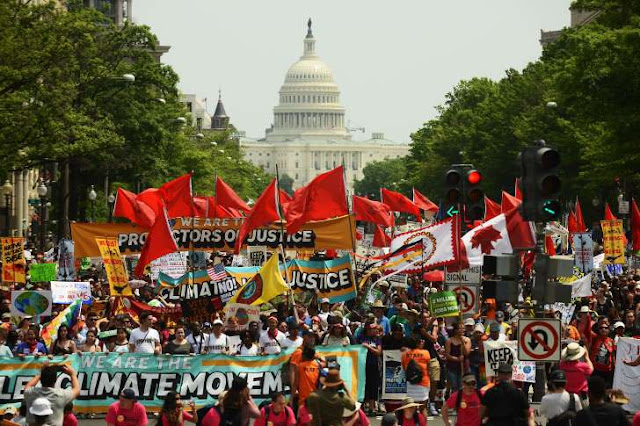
x,y
264,286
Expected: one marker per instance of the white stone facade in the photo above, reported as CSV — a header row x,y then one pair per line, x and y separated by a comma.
x,y
308,135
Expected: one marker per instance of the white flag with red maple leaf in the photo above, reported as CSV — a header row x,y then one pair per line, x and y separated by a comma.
x,y
499,235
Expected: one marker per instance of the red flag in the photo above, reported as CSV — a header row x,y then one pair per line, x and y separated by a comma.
x,y
215,210
380,238
608,214
423,202
579,219
284,199
518,192
159,242
200,206
509,202
550,247
572,224
635,225
178,197
399,203
322,198
152,198
227,197
372,211
129,207
264,211
491,208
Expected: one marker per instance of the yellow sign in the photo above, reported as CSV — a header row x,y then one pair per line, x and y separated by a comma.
x,y
114,266
216,235
613,241
13,263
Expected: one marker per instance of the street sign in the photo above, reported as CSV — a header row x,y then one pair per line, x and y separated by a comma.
x,y
398,280
464,276
467,299
623,207
539,339
452,211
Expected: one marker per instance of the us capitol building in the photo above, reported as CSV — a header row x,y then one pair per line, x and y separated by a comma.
x,y
308,135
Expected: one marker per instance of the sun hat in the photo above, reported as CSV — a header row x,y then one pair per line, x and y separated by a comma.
x,y
584,309
41,407
348,413
333,378
573,352
378,304
218,322
479,328
618,324
469,321
408,403
11,410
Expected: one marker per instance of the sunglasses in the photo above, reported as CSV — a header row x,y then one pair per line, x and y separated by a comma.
x,y
469,383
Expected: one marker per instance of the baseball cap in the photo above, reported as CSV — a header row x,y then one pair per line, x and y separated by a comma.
x,y
479,328
505,368
324,300
500,314
618,324
469,321
128,394
584,309
6,315
41,407
494,327
218,322
557,376
206,325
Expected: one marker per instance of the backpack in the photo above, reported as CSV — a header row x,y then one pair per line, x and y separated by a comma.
x,y
202,412
230,417
266,404
568,418
414,372
459,397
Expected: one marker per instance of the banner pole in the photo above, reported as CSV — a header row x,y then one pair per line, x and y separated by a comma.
x,y
351,235
292,301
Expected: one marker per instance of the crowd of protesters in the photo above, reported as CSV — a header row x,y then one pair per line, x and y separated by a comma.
x,y
445,356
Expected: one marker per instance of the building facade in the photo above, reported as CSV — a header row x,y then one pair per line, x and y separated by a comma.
x,y
309,134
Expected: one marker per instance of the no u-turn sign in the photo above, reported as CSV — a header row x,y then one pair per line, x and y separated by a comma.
x,y
539,339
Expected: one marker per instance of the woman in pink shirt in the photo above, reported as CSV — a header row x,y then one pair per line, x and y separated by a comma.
x,y
577,371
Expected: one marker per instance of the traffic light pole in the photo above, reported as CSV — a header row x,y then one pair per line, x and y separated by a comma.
x,y
541,265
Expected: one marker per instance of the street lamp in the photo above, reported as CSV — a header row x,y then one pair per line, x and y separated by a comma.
x,y
92,198
181,120
7,190
111,199
42,191
128,77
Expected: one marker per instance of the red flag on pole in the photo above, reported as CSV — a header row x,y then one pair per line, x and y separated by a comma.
x,y
159,242
264,211
579,219
380,238
549,246
608,214
399,203
178,197
423,202
635,225
517,191
372,211
572,223
509,202
284,199
227,198
127,206
322,198
491,208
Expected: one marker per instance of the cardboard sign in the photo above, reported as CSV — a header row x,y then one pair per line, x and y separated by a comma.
x,y
613,241
394,386
583,251
30,302
67,291
238,316
114,266
42,272
13,262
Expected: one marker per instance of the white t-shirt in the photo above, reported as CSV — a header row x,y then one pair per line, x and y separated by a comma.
x,y
144,341
217,345
196,341
554,404
271,346
252,351
288,343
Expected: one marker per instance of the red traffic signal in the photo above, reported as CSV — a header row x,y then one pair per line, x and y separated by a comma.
x,y
474,177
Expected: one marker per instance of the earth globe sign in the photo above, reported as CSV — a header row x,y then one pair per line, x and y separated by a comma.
x,y
31,303
242,316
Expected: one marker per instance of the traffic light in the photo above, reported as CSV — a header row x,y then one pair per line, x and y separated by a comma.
x,y
452,191
540,183
474,196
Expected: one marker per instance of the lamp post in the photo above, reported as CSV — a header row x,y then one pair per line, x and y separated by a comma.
x,y
42,191
92,197
111,200
7,190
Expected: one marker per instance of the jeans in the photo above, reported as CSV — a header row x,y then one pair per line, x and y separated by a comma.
x,y
455,380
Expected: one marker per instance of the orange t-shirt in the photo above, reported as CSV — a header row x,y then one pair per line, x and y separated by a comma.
x,y
308,376
296,356
422,357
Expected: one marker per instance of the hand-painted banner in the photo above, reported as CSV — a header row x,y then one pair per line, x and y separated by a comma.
x,y
506,352
201,378
238,316
394,383
30,302
13,262
42,272
66,264
215,234
613,242
66,292
172,264
114,267
627,372
330,278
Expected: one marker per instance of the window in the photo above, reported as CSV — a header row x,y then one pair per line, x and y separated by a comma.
x,y
268,155
316,165
296,166
259,154
296,176
268,165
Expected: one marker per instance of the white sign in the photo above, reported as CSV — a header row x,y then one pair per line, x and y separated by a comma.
x,y
581,287
398,280
172,264
67,291
565,309
583,252
496,353
623,207
238,316
394,383
468,297
257,255
627,377
30,303
539,339
464,276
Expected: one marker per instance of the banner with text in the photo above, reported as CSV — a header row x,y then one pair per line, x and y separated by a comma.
x,y
496,353
332,279
67,291
13,262
114,267
216,234
613,242
201,378
627,372
42,272
394,383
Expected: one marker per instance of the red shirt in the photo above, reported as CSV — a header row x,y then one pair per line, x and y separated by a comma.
x,y
577,373
69,420
136,416
422,421
601,353
283,418
469,411
185,416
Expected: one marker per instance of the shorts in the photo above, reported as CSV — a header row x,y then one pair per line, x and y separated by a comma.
x,y
434,370
303,415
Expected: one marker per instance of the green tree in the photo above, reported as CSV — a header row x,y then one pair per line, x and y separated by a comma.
x,y
389,173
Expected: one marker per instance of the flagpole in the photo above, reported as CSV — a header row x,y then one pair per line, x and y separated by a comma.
x,y
351,235
282,239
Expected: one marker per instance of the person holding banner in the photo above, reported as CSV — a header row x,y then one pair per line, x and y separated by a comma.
x,y
145,339
218,342
271,340
197,339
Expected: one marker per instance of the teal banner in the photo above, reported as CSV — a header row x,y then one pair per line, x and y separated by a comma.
x,y
199,378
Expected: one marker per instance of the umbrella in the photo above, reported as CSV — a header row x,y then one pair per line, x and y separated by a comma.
x,y
435,275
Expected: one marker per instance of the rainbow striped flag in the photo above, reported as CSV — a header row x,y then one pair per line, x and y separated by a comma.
x,y
69,317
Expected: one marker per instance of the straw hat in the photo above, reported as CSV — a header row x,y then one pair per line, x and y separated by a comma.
x,y
573,352
377,304
333,378
408,403
349,413
618,397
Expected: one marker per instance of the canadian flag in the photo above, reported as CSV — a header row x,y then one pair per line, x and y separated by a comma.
x,y
499,235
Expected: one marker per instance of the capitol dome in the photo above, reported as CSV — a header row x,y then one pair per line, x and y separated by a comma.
x,y
309,104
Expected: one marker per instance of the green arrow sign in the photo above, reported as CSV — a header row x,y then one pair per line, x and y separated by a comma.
x,y
452,211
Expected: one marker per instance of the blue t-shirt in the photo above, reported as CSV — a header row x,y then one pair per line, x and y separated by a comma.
x,y
24,349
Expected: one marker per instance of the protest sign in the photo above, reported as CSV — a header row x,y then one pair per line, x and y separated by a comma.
x,y
524,371
565,309
238,316
66,292
30,302
114,267
470,275
200,378
496,353
172,264
217,235
41,272
394,384
66,267
613,241
257,255
332,279
583,251
443,304
13,262
627,377
398,280
85,263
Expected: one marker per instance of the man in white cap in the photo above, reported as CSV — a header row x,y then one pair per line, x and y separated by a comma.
x,y
218,342
271,340
618,332
325,311
57,398
39,411
469,325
